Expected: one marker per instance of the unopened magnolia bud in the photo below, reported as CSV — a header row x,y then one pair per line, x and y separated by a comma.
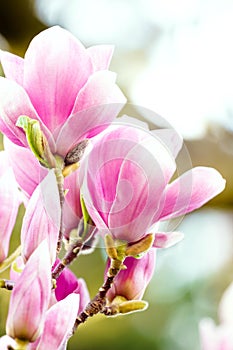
x,y
37,141
132,281
30,297
140,246
75,155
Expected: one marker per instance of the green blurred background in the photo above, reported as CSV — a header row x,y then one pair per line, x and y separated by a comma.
x,y
174,57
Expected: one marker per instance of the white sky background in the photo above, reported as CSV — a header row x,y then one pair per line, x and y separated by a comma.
x,y
187,72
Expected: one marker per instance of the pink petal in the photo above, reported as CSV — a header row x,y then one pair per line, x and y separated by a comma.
x,y
56,67
13,103
13,66
4,162
100,89
170,138
190,191
42,218
167,239
30,297
9,199
85,124
101,56
59,322
27,170
132,281
143,176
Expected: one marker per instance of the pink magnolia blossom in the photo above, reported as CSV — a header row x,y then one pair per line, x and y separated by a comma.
x,y
125,183
68,283
64,86
132,282
9,204
219,337
30,297
42,218
58,325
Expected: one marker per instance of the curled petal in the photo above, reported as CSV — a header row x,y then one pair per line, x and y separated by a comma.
x,y
190,191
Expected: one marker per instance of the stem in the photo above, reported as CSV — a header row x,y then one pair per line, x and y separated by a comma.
x,y
60,185
7,284
98,303
68,258
7,262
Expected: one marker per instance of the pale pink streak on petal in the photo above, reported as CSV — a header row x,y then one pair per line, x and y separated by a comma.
x,y
13,66
59,322
9,204
101,56
30,297
190,191
27,170
56,67
167,239
42,218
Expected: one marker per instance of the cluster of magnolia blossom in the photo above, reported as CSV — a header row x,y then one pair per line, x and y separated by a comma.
x,y
82,174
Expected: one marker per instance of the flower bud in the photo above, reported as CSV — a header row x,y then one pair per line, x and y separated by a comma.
x,y
30,297
68,283
131,282
60,319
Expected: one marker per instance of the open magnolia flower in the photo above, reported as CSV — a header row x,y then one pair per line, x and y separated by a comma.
x,y
57,83
125,183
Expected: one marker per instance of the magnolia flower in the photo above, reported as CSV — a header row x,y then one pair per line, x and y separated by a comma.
x,y
219,337
125,178
9,204
30,297
131,282
60,84
42,218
